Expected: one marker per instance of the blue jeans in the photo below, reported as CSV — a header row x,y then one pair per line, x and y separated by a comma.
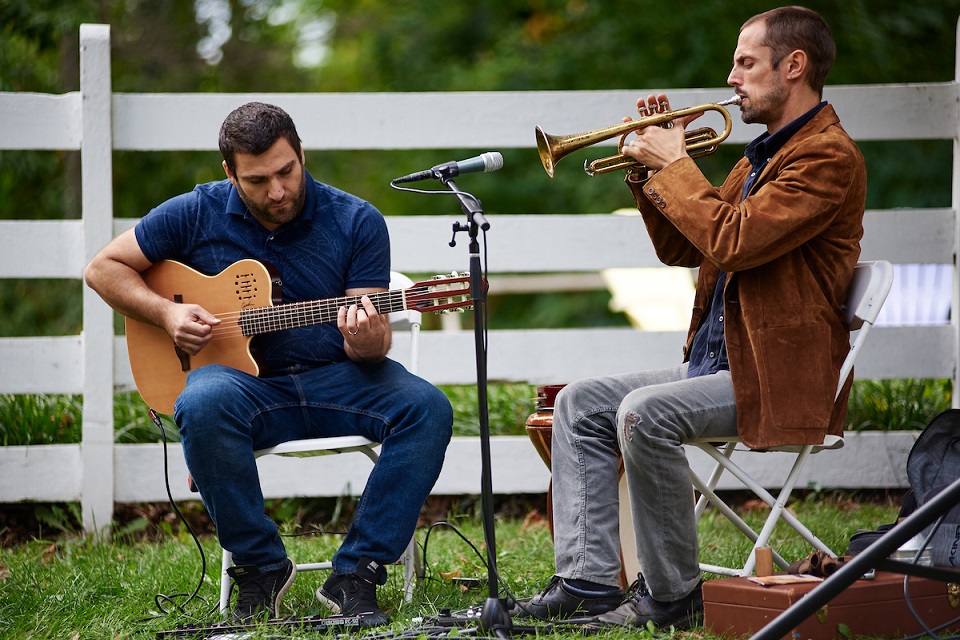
x,y
225,415
647,416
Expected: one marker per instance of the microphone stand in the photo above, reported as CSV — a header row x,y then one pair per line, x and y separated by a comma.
x,y
494,616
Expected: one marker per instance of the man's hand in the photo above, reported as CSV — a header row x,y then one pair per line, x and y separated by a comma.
x,y
658,146
366,333
191,326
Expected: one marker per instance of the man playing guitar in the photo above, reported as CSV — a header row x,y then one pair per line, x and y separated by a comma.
x,y
320,380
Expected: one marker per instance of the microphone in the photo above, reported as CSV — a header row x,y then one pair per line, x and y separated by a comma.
x,y
489,161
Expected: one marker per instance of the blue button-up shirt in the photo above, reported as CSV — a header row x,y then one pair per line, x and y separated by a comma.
x,y
708,353
338,242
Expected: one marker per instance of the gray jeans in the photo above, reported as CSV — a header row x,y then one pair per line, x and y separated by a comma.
x,y
647,416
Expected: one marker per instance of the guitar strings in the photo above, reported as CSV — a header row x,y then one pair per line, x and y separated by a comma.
x,y
281,316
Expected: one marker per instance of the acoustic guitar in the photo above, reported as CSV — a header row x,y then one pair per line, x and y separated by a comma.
x,y
246,298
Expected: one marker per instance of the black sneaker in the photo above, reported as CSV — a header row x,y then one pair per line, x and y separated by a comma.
x,y
563,600
354,594
640,608
258,592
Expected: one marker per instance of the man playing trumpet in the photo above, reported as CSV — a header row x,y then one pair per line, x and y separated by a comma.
x,y
776,246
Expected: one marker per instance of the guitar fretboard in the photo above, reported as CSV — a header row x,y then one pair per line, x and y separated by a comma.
x,y
305,314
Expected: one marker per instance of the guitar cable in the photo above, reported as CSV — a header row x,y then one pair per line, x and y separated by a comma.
x,y
162,599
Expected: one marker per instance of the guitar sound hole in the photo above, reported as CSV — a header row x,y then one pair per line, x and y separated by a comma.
x,y
246,286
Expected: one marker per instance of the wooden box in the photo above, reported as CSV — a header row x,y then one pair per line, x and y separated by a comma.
x,y
736,607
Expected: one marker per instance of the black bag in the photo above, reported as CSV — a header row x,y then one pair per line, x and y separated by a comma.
x,y
863,538
932,465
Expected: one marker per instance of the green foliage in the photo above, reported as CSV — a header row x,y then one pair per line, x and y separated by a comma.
x,y
34,36
546,310
561,45
39,419
58,419
508,408
64,518
132,423
891,405
41,307
886,405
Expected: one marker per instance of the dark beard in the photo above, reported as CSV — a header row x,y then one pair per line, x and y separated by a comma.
x,y
764,112
266,215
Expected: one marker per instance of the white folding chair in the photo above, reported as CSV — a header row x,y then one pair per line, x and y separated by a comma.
x,y
346,444
868,290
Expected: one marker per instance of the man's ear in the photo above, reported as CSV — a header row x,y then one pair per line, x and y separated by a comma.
x,y
795,64
226,170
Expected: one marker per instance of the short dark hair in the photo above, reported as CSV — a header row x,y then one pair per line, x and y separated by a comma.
x,y
792,28
253,128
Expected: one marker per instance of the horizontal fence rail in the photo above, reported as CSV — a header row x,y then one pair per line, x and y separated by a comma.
x,y
571,250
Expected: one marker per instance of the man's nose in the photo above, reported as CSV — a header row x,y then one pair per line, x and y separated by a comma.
x,y
276,190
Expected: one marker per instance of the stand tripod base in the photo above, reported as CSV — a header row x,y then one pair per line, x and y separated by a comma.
x,y
495,618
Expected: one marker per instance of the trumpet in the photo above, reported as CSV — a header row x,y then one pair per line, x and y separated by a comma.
x,y
700,142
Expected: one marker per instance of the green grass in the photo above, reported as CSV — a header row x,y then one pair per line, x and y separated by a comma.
x,y
132,588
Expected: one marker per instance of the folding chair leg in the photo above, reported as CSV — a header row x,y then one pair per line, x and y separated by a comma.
x,y
733,517
779,510
704,500
226,561
777,505
411,568
708,496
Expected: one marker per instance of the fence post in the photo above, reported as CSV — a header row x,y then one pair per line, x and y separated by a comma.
x,y
96,153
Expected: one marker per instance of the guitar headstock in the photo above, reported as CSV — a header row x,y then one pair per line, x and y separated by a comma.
x,y
440,294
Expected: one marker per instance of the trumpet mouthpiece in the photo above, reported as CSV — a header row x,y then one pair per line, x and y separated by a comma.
x,y
735,100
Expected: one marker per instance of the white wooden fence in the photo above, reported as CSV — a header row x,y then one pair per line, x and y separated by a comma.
x,y
97,121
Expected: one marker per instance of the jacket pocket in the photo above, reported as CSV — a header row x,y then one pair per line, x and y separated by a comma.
x,y
796,376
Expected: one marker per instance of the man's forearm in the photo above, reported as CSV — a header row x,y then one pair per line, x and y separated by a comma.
x,y
123,288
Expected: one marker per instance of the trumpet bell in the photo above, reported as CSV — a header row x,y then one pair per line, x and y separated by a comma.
x,y
545,147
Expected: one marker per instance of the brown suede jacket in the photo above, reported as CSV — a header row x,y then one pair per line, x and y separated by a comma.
x,y
789,250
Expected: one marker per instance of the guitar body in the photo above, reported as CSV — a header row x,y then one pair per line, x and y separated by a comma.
x,y
247,302
159,368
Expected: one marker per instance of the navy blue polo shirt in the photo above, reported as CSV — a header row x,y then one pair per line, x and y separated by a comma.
x,y
338,242
708,353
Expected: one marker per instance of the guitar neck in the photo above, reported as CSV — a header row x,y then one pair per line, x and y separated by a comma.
x,y
304,314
